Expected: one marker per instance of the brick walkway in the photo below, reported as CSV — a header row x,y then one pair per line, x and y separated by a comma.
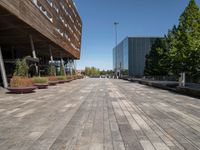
x,y
97,114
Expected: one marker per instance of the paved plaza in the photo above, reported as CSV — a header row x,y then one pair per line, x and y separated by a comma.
x,y
99,114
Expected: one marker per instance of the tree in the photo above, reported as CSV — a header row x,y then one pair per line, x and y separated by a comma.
x,y
21,68
51,70
181,51
185,48
156,59
91,71
87,71
103,72
171,41
106,72
110,72
62,70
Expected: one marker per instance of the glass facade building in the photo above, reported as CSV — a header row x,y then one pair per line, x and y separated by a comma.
x,y
129,55
120,57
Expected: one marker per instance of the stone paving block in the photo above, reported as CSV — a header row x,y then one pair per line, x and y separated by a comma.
x,y
99,114
147,145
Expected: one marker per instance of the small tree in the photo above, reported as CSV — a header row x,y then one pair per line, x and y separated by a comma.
x,y
73,72
87,71
62,70
92,71
103,72
51,70
21,68
156,59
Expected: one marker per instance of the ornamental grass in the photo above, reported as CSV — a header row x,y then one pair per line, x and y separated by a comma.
x,y
52,78
18,81
40,80
61,78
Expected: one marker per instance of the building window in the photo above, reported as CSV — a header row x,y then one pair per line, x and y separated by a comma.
x,y
56,8
59,31
76,48
67,37
50,2
43,10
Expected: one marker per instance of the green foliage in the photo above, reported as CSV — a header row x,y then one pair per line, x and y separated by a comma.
x,y
111,72
18,81
40,80
123,72
73,72
69,77
52,78
185,45
62,71
103,72
156,59
171,41
181,51
106,72
92,71
61,78
51,70
21,68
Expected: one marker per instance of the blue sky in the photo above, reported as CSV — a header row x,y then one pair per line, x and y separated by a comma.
x,y
135,17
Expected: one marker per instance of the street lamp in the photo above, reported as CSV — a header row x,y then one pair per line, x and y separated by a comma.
x,y
115,25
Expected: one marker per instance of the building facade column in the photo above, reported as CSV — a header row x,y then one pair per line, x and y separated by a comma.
x,y
70,64
51,58
62,63
51,55
3,71
33,52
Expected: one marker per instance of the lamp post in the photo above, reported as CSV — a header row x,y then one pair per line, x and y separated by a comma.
x,y
115,25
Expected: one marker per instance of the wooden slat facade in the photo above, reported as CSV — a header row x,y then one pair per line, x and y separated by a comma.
x,y
50,22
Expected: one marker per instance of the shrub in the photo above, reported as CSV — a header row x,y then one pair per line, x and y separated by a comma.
x,y
40,80
69,77
73,72
52,78
52,70
21,68
62,71
18,81
75,77
80,76
61,77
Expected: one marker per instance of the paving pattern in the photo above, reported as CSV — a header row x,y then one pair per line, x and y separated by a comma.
x,y
99,114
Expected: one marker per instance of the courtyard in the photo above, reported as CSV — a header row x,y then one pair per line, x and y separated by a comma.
x,y
99,114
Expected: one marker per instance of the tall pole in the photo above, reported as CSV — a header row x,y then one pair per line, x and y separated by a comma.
x,y
115,25
3,72
51,55
51,58
32,46
33,53
62,63
71,69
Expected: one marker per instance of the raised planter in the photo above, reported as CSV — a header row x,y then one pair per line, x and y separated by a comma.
x,y
61,81
68,80
188,91
53,83
41,85
80,77
21,90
